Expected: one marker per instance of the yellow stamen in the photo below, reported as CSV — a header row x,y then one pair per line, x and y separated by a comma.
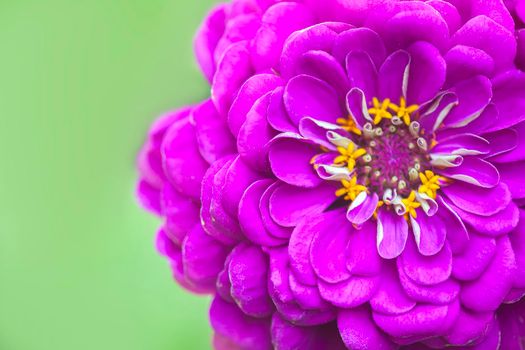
x,y
411,205
349,125
350,189
349,155
430,183
380,110
403,111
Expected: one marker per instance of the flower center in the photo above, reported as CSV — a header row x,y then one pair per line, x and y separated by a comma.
x,y
388,156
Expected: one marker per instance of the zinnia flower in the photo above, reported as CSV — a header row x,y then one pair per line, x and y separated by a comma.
x,y
354,180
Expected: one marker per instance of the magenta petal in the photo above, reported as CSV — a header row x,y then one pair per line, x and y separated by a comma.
x,y
498,224
290,158
437,294
509,89
477,200
474,95
250,216
362,208
316,37
463,144
427,72
505,145
390,297
517,238
248,272
211,223
255,134
226,223
307,297
356,105
394,76
181,159
426,320
360,39
392,234
448,12
203,258
512,175
290,204
415,22
213,136
487,292
277,116
430,233
359,331
174,255
181,213
322,65
327,253
149,197
237,179
484,33
245,331
300,243
306,96
362,73
239,27
474,171
351,293
464,62
206,39
361,252
470,326
473,261
316,131
426,270
278,22
233,70
269,223
284,299
456,232
288,336
253,89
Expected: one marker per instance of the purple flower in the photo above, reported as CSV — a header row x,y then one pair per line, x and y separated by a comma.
x,y
355,179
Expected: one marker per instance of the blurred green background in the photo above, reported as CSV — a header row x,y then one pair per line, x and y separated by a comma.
x,y
80,81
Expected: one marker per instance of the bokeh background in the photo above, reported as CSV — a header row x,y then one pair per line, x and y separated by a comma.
x,y
80,81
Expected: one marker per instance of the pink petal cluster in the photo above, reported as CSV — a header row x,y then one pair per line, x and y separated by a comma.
x,y
355,180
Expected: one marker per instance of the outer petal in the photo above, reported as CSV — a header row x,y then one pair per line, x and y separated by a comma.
x,y
487,292
203,258
287,336
206,39
290,161
360,39
478,200
289,204
181,159
213,136
250,217
278,22
232,71
253,89
255,134
247,332
427,72
248,272
392,234
306,96
359,331
484,33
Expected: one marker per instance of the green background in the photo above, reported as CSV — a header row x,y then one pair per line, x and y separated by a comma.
x,y
80,81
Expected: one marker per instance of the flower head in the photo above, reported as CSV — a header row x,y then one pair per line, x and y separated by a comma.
x,y
354,180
